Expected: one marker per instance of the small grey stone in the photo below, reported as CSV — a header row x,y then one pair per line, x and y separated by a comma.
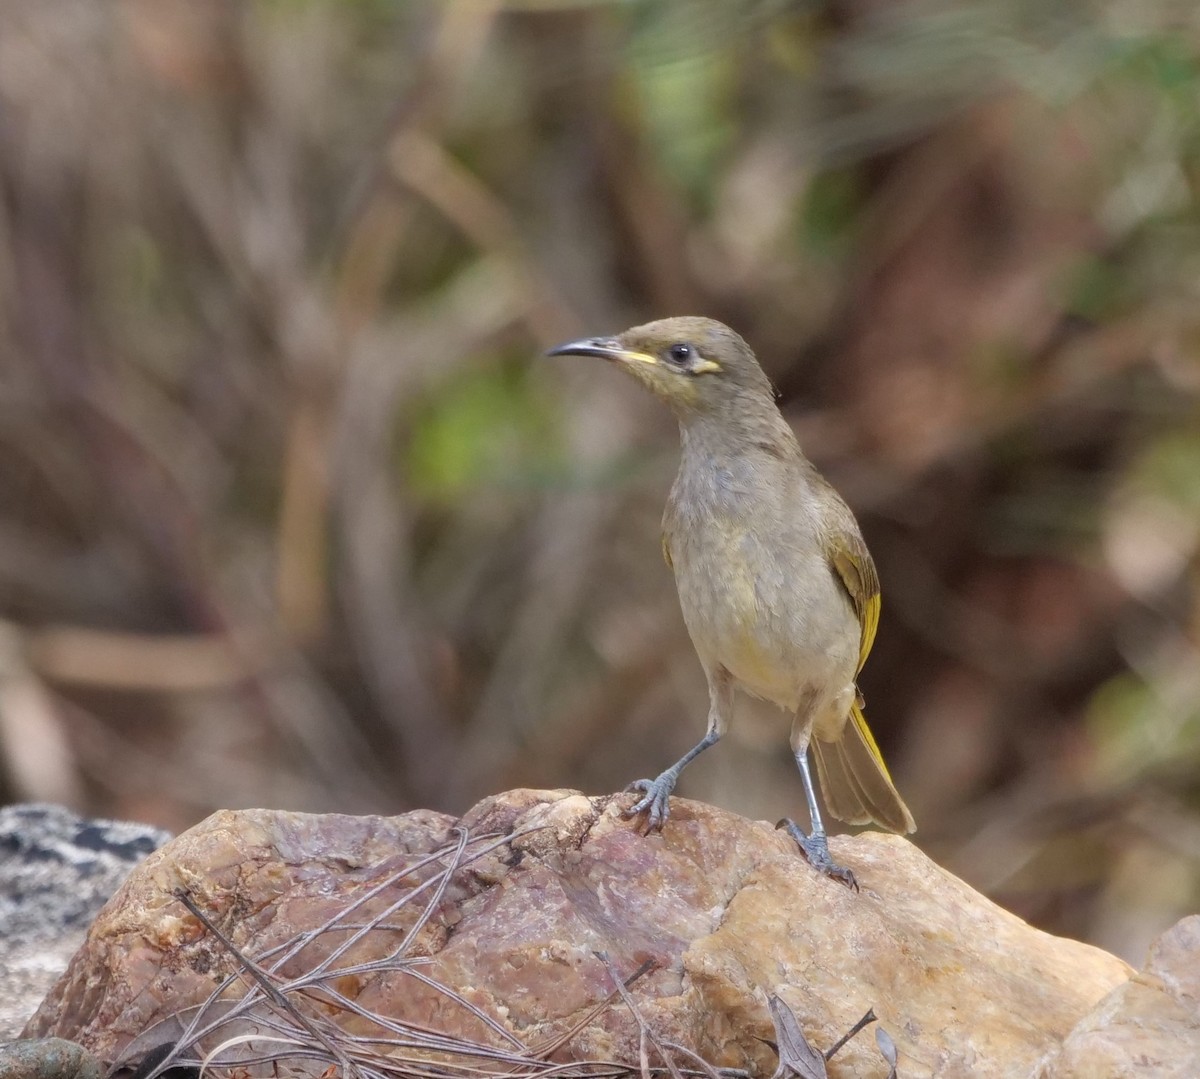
x,y
57,869
48,1058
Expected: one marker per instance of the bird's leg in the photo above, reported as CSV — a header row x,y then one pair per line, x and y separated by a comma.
x,y
657,792
815,845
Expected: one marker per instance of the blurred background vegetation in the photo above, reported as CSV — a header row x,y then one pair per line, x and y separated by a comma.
x,y
293,513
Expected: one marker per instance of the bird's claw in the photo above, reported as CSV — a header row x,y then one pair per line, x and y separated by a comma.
x,y
656,803
816,849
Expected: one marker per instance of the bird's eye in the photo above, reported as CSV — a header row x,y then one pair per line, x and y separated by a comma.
x,y
680,354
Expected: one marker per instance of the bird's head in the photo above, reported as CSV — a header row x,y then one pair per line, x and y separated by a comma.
x,y
696,365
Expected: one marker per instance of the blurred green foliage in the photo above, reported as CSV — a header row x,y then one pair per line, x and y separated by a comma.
x,y
494,426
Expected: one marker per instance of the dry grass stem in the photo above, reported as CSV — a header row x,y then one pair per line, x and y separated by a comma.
x,y
261,1020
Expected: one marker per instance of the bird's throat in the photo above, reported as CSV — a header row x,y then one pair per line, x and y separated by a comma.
x,y
755,431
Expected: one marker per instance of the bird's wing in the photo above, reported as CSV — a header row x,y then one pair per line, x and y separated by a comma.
x,y
848,554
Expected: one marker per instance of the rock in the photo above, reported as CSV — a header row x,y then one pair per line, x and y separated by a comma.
x,y
725,908
1149,1026
48,1058
57,869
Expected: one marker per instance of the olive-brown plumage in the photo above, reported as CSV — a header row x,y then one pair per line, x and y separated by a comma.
x,y
777,588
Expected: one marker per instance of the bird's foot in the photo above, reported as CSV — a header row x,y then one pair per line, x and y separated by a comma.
x,y
656,803
815,848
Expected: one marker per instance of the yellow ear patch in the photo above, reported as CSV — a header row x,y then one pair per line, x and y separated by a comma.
x,y
705,367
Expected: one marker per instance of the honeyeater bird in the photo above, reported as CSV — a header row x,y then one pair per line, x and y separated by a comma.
x,y
778,590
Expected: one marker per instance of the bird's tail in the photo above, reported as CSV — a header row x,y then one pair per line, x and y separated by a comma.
x,y
855,781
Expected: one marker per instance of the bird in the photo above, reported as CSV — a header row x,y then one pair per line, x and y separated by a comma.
x,y
778,591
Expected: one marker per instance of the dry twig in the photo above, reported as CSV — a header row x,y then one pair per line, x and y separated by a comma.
x,y
272,1027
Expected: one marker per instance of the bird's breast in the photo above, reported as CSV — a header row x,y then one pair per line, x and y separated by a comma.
x,y
761,602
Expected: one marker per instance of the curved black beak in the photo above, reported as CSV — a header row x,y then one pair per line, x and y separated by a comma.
x,y
607,348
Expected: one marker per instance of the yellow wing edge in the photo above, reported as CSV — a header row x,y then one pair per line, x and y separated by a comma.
x,y
860,721
857,573
870,623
